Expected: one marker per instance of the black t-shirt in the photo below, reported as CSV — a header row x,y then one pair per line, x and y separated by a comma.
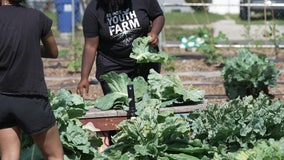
x,y
117,29
21,67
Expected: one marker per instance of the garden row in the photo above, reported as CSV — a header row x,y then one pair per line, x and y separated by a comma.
x,y
247,126
241,129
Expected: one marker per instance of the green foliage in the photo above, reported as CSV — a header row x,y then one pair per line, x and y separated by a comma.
x,y
239,123
263,150
75,64
209,49
118,98
154,135
143,52
166,88
63,52
274,36
248,74
252,39
77,142
169,89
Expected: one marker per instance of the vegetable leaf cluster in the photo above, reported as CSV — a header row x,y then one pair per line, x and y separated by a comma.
x,y
77,142
166,88
153,135
248,74
118,98
263,149
239,123
143,52
169,89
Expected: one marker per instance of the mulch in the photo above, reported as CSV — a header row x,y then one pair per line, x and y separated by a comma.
x,y
190,67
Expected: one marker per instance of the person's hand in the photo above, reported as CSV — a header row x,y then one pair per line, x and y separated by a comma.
x,y
83,87
155,40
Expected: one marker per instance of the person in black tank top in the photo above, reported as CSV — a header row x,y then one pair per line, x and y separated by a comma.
x,y
23,92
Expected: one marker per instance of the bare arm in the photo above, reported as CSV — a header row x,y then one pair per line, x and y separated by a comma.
x,y
157,26
49,48
89,54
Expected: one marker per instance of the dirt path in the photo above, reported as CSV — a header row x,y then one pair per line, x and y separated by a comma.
x,y
190,67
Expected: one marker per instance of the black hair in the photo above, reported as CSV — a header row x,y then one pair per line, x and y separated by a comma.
x,y
113,5
16,1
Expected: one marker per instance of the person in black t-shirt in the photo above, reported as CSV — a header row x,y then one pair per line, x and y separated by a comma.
x,y
23,92
109,27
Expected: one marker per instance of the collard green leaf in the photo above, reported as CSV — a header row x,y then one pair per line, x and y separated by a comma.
x,y
69,98
181,156
107,102
118,98
169,89
142,150
117,82
77,142
143,52
192,94
140,87
149,136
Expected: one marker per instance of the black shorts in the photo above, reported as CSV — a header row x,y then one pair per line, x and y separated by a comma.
x,y
33,114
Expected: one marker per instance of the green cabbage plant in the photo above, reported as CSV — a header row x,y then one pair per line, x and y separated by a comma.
x,y
249,74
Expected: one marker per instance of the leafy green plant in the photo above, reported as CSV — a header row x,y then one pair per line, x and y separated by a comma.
x,y
209,48
143,52
249,74
263,149
170,90
118,98
275,37
75,64
251,41
238,123
63,52
153,135
166,88
78,143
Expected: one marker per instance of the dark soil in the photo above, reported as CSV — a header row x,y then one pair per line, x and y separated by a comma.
x,y
190,67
